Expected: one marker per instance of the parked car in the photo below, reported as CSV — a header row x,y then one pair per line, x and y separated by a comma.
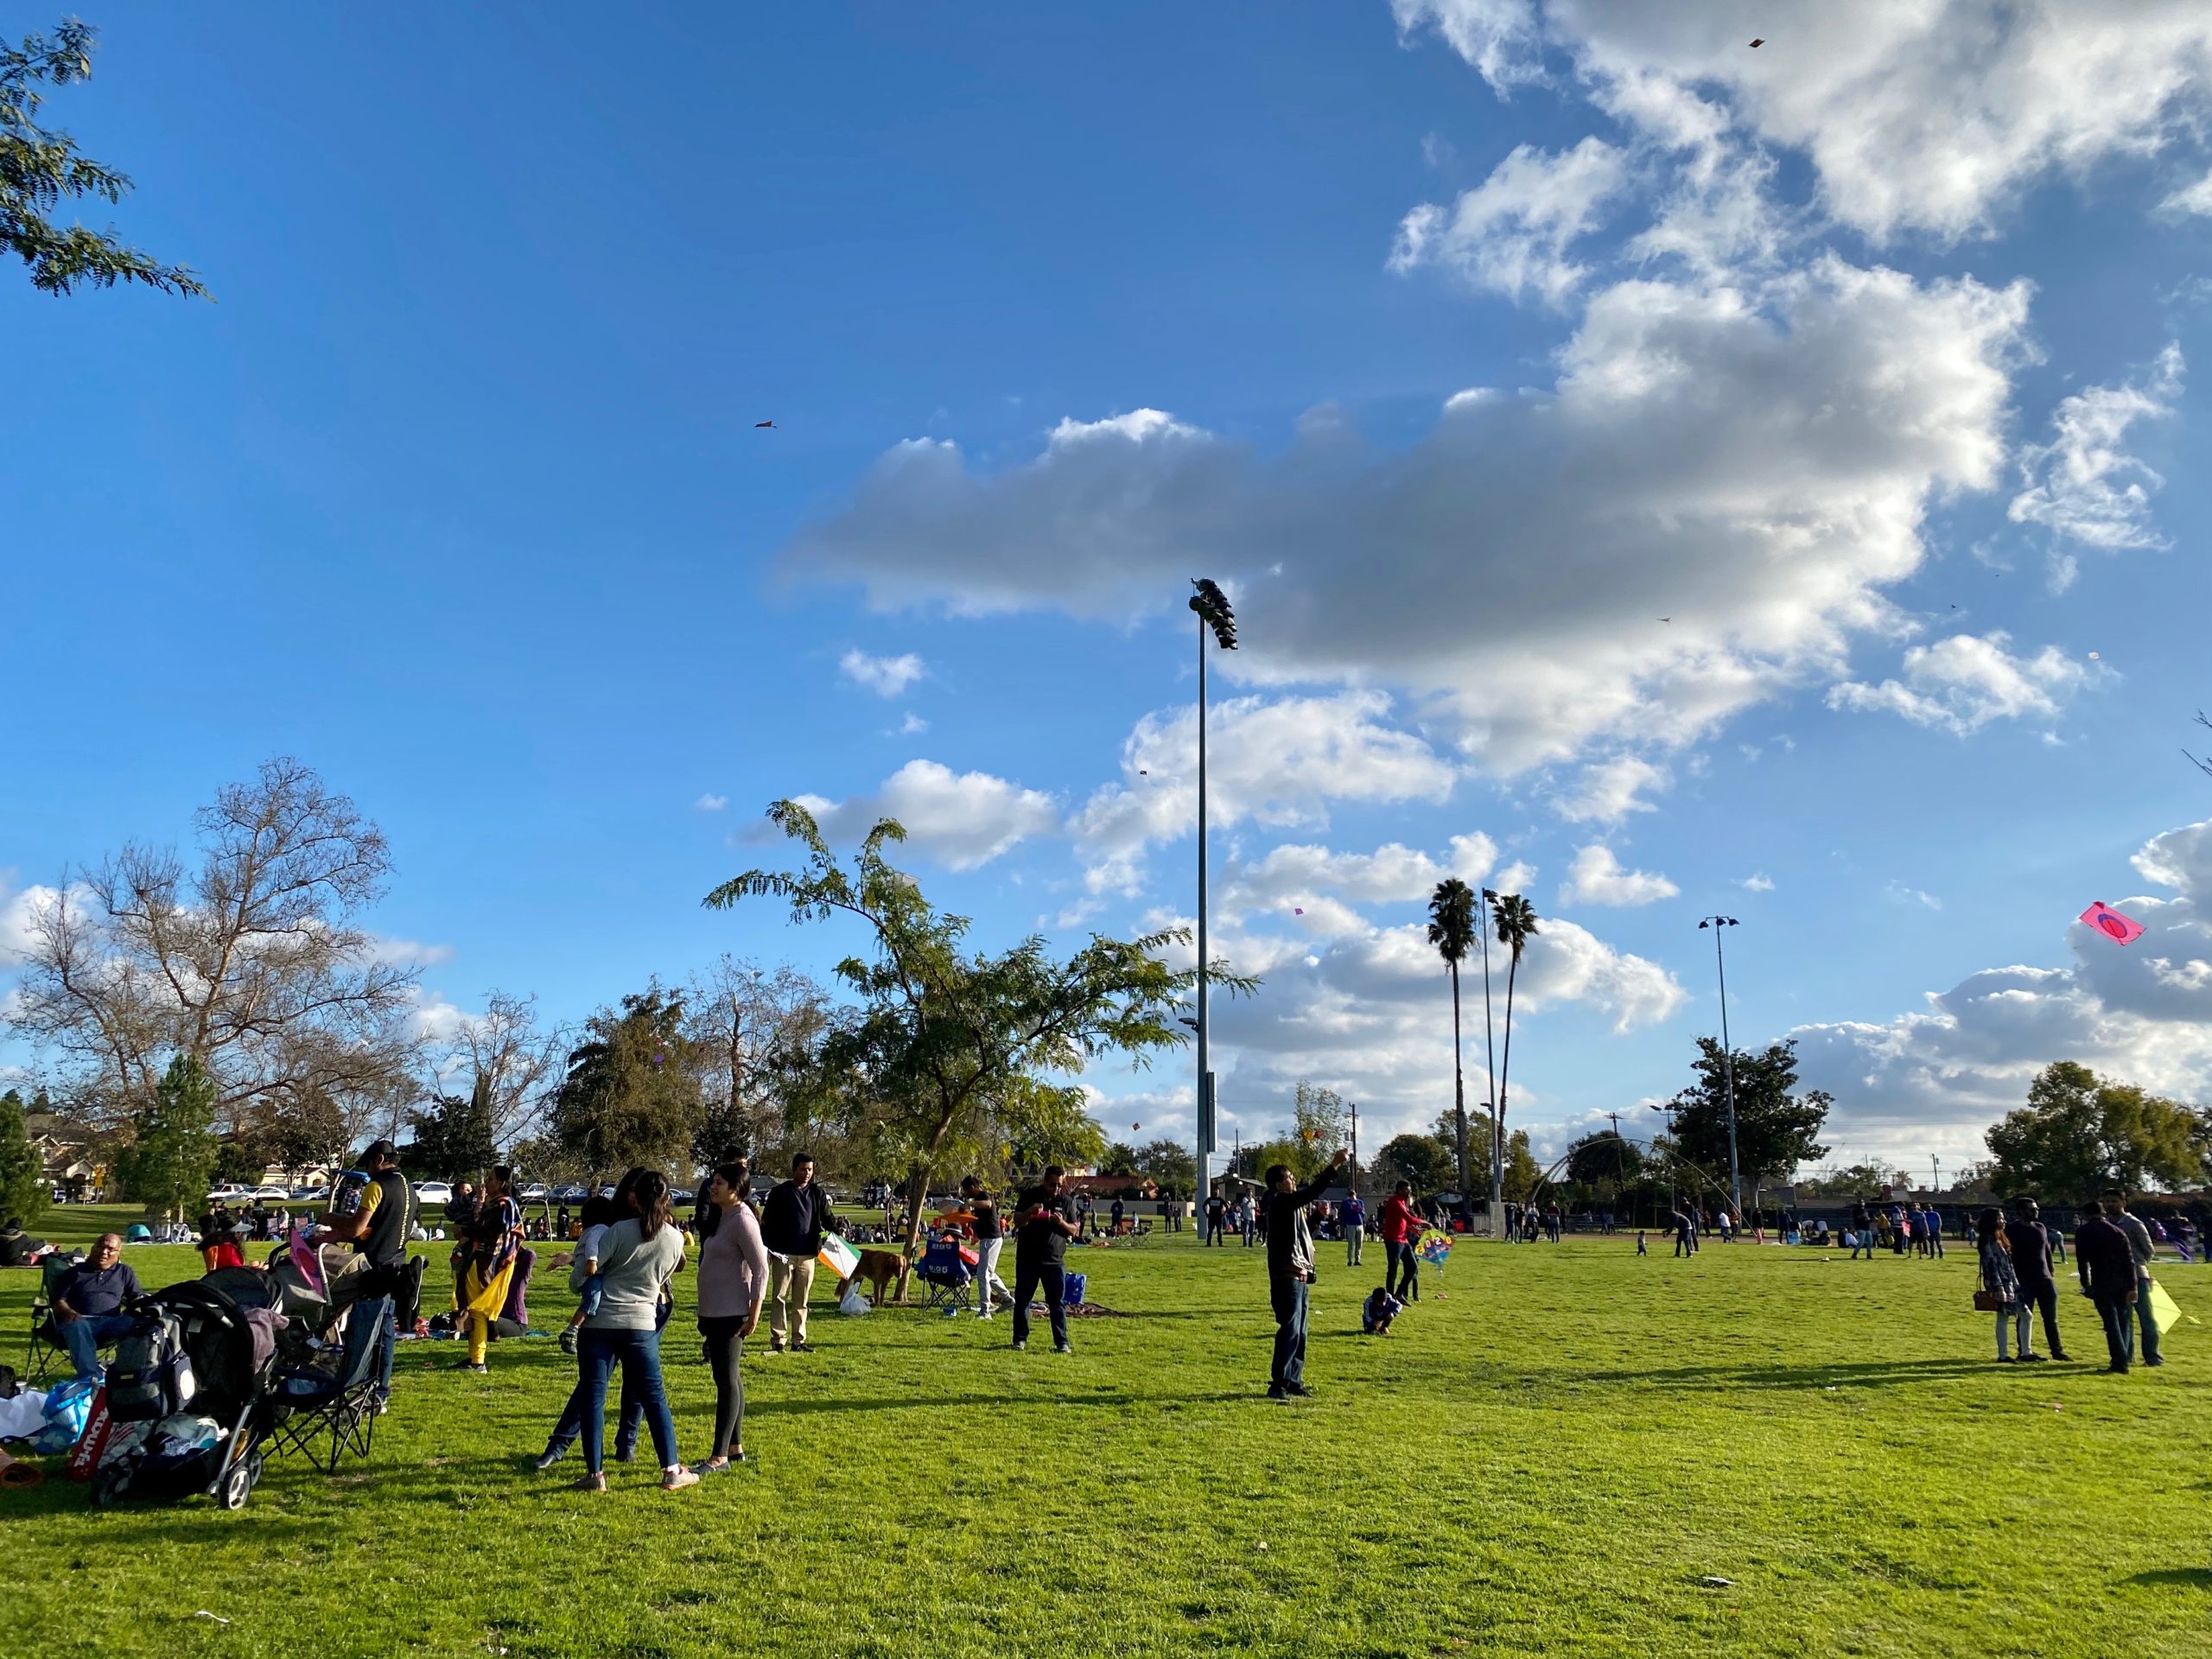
x,y
228,1194
310,1194
272,1194
433,1193
571,1193
536,1193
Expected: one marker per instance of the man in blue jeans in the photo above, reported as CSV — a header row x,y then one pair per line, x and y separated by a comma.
x,y
2139,1242
1290,1271
88,1303
378,1229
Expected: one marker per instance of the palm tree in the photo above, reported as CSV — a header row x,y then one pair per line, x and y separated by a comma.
x,y
1515,918
1451,931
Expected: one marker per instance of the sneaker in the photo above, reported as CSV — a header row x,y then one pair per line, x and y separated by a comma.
x,y
2034,1358
1298,1390
1021,1347
801,1347
626,1454
1062,1348
477,1365
676,1479
2058,1354
2159,1361
383,1403
548,1458
775,1347
592,1483
569,1340
1277,1394
2006,1359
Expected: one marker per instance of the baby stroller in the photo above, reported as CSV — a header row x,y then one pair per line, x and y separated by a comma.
x,y
187,1400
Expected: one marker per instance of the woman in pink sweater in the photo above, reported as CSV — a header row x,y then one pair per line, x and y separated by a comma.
x,y
732,1282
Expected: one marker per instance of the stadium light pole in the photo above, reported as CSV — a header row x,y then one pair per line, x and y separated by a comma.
x,y
1727,1061
1211,607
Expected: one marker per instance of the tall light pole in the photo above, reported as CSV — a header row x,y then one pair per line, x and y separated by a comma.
x,y
1727,1061
1489,1073
1211,607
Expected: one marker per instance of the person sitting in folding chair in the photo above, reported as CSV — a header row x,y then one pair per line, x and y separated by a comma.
x,y
89,1301
310,1405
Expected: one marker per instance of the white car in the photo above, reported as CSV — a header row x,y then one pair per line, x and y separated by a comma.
x,y
536,1193
433,1193
229,1194
278,1194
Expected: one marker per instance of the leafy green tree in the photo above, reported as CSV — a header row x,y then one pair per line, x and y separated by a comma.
x,y
1522,1171
946,1039
1852,1181
1121,1159
171,1159
1452,928
24,1193
1776,1129
2080,1134
1422,1158
1606,1156
454,1137
1515,920
1170,1165
239,1161
1319,1123
39,167
630,1095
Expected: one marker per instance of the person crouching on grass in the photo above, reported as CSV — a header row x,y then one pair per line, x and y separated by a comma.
x,y
1378,1310
1290,1271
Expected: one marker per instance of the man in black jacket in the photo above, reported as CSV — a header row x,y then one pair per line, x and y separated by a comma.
x,y
793,1223
2030,1248
1044,1219
377,1230
2106,1263
1290,1270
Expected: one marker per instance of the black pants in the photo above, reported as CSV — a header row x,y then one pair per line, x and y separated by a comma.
x,y
2118,1337
1398,1268
2045,1298
724,1349
1028,1278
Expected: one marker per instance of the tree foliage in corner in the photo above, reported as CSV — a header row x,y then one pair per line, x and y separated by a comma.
x,y
949,1046
2080,1134
171,1158
630,1095
1776,1129
23,1192
39,167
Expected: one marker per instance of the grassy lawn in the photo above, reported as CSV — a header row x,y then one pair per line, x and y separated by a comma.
x,y
1547,1460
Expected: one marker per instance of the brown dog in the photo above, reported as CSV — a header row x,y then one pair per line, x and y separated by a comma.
x,y
877,1268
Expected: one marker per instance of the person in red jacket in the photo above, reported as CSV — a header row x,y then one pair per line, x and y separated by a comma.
x,y
1402,1225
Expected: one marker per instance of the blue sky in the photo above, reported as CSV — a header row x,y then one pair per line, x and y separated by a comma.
x,y
455,492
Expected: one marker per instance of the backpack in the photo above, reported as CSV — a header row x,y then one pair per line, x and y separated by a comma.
x,y
150,1378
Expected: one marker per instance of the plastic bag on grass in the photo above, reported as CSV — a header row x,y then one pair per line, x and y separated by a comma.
x,y
855,1304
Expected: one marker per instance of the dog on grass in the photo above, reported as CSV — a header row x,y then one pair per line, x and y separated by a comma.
x,y
877,1270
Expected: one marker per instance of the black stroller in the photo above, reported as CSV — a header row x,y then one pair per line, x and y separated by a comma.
x,y
194,1421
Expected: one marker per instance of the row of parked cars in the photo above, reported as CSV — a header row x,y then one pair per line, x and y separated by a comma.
x,y
426,1192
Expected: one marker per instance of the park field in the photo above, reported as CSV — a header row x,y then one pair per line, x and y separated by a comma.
x,y
1561,1452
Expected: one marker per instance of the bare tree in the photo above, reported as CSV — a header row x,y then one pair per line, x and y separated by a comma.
x,y
508,1058
748,1029
249,963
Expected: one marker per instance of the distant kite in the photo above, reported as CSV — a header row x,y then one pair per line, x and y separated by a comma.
x,y
1297,911
1757,43
761,425
2120,930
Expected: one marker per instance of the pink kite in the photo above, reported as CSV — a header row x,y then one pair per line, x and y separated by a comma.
x,y
2120,929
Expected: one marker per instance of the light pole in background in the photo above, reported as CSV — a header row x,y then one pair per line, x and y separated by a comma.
x,y
1215,616
1727,1061
1489,896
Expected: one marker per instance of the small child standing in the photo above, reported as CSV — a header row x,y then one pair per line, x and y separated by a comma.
x,y
1640,1249
1378,1310
583,1267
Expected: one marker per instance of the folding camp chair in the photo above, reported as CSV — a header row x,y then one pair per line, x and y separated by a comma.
x,y
945,1276
46,1349
309,1405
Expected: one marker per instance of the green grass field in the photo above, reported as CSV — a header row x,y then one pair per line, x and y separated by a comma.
x,y
1547,1458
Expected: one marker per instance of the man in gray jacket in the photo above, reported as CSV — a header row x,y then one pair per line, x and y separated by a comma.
x,y
2138,1240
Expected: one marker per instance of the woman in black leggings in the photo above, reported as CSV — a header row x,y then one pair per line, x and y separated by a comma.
x,y
732,1281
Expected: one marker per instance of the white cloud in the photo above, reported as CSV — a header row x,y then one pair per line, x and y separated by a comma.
x,y
2082,486
2190,199
960,819
1964,683
1930,115
912,725
1596,878
1280,763
1294,876
1899,893
887,677
19,912
1609,792
1760,882
1517,877
1512,232
407,953
1754,463
1932,1081
710,802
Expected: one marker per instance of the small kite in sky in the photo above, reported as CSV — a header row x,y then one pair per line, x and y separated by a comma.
x,y
758,425
1297,910
2120,930
1758,44
2093,656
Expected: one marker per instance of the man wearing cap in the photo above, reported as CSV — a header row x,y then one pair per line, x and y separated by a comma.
x,y
378,1231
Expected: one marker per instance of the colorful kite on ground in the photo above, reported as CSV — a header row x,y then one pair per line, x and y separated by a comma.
x,y
2121,929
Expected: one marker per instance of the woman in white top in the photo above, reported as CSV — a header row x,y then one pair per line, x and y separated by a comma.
x,y
637,1256
733,1282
